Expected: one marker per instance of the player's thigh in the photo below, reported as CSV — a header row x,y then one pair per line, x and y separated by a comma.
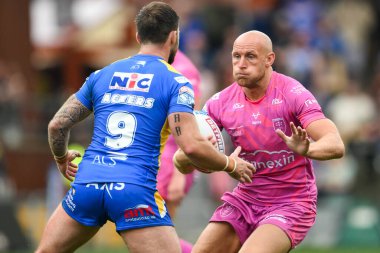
x,y
217,237
63,234
267,238
159,239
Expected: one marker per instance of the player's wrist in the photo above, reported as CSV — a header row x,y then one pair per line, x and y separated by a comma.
x,y
231,165
61,158
182,162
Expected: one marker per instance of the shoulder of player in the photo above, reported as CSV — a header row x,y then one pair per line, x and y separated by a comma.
x,y
227,94
288,85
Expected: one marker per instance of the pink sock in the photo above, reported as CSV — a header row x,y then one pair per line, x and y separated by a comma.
x,y
185,246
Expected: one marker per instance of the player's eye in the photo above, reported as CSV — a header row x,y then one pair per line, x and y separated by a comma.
x,y
251,56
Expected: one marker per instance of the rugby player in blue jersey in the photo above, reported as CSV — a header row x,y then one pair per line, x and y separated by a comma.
x,y
136,102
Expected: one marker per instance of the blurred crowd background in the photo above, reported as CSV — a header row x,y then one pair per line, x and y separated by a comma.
x,y
49,47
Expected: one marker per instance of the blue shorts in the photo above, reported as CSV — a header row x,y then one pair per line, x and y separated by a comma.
x,y
129,206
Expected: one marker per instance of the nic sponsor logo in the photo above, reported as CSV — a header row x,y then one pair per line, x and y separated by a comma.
x,y
131,81
139,213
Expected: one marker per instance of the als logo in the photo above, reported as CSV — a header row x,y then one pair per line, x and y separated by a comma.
x,y
131,81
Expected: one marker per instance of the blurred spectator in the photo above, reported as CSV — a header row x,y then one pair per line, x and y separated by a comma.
x,y
12,90
329,76
355,20
299,57
351,110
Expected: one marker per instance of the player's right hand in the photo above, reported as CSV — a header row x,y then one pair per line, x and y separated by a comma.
x,y
65,165
244,170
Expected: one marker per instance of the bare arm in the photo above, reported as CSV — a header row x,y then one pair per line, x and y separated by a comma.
x,y
327,141
71,112
201,152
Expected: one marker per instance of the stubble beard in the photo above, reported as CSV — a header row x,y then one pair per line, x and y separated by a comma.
x,y
172,54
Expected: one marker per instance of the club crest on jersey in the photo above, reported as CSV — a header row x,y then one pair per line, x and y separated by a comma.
x,y
131,81
279,123
186,96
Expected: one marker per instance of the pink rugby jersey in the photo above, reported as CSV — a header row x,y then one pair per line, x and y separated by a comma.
x,y
282,176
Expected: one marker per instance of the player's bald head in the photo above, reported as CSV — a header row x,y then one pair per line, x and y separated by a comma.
x,y
257,38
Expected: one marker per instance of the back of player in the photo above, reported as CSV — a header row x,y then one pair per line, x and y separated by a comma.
x,y
130,99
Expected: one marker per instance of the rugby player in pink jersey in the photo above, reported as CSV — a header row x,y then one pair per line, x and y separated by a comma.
x,y
280,127
171,184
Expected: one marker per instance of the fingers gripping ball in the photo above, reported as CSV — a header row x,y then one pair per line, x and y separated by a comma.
x,y
208,127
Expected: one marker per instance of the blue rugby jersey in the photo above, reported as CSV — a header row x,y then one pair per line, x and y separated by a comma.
x,y
131,99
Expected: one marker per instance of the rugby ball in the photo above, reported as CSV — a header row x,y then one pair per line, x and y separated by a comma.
x,y
207,127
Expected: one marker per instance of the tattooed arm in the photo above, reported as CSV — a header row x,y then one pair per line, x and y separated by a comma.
x,y
71,112
201,153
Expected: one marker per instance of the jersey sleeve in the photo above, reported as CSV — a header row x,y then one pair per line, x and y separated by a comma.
x,y
182,97
306,106
84,94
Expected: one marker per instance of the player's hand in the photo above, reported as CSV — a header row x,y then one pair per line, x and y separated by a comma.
x,y
65,165
182,163
298,142
244,170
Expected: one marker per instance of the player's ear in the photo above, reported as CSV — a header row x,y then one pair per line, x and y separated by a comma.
x,y
138,38
173,37
270,59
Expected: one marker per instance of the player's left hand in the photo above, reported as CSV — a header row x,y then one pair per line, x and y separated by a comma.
x,y
65,165
298,142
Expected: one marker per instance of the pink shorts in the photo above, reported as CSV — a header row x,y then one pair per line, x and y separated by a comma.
x,y
294,219
165,172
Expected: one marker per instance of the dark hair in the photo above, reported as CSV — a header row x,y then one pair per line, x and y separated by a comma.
x,y
155,21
